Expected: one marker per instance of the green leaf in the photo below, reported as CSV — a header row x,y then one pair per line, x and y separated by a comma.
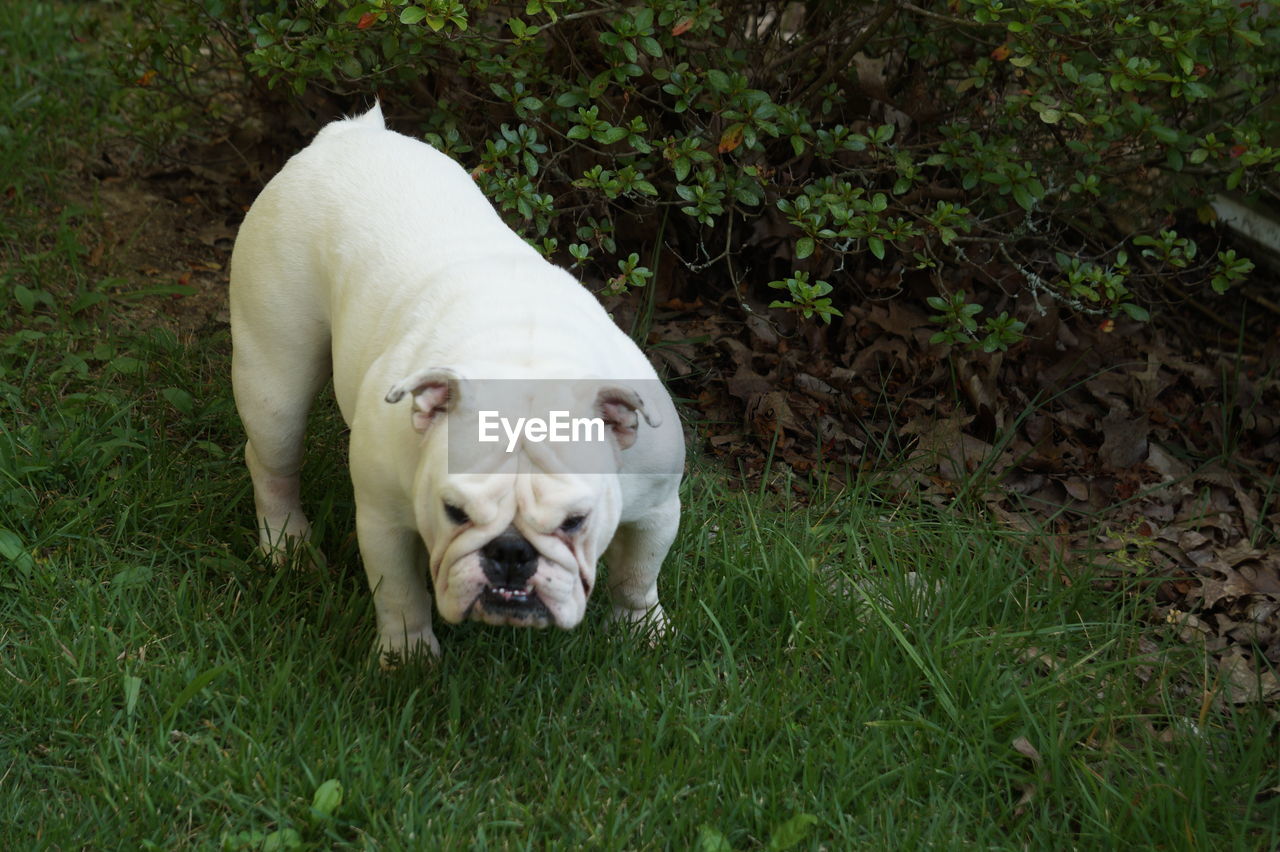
x,y
710,839
1196,89
285,838
86,300
1135,312
179,399
718,80
877,247
791,832
327,798
126,365
412,15
1250,37
132,577
26,297
350,66
1024,199
14,552
612,135
804,247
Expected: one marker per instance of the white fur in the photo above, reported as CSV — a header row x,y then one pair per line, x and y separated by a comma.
x,y
376,254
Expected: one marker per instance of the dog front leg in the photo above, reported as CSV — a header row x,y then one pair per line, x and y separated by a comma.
x,y
635,558
393,565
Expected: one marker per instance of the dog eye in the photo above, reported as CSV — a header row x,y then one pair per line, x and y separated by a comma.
x,y
455,514
572,523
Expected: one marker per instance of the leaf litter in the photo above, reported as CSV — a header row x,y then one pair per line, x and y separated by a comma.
x,y
1142,450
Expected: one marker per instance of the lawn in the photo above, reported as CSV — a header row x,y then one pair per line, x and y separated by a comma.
x,y
849,671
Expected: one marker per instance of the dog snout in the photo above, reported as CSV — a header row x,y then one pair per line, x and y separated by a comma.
x,y
509,560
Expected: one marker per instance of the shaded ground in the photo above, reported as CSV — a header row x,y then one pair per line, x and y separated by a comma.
x,y
1152,448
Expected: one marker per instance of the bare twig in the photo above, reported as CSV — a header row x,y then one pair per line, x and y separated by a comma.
x,y
949,19
1259,299
886,12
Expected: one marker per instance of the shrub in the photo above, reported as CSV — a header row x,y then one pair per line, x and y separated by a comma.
x,y
799,145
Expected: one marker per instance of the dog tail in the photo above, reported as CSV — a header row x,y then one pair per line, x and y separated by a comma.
x,y
371,120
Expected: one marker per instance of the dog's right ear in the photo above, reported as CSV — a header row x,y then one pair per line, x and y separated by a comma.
x,y
622,409
435,391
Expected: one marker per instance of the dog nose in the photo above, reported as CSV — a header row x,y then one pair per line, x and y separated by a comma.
x,y
509,560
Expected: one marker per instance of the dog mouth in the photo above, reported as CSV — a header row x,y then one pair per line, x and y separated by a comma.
x,y
498,604
505,596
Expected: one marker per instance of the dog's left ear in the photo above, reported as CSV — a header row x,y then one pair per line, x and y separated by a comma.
x,y
435,391
622,408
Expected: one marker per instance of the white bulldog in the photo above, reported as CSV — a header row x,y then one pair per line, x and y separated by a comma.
x,y
374,258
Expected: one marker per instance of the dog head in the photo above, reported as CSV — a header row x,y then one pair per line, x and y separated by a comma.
x,y
515,521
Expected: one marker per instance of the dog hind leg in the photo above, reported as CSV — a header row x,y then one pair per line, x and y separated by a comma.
x,y
277,368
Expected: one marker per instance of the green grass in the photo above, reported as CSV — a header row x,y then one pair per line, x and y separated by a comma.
x,y
853,673
161,689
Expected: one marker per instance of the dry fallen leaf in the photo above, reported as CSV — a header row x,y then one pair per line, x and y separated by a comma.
x,y
1023,746
1244,682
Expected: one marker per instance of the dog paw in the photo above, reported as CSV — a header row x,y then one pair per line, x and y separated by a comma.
x,y
401,650
295,553
650,623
